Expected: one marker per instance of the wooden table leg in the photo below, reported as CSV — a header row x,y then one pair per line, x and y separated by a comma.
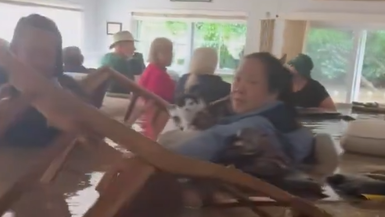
x,y
139,191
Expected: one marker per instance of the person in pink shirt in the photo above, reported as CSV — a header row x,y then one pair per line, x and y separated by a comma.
x,y
156,80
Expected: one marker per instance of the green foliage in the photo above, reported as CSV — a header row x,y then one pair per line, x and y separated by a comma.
x,y
176,27
374,60
331,51
220,36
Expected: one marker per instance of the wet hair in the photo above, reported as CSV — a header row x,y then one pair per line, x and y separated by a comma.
x,y
43,23
279,78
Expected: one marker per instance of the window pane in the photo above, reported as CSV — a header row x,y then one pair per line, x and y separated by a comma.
x,y
176,31
330,50
372,87
68,22
227,38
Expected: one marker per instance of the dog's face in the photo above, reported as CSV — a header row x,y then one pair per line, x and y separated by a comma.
x,y
186,108
189,105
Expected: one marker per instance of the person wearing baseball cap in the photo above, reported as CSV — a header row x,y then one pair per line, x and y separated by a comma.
x,y
121,59
307,92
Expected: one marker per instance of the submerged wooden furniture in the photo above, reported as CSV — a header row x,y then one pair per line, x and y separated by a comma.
x,y
51,160
70,114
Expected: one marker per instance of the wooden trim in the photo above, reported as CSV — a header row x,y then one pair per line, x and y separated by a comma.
x,y
267,35
293,36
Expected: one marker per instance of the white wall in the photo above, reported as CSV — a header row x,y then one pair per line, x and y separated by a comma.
x,y
94,31
91,23
120,11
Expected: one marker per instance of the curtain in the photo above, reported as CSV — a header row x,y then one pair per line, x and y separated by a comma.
x,y
267,35
293,37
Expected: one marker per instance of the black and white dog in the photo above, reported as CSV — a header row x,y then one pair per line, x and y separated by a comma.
x,y
185,110
192,112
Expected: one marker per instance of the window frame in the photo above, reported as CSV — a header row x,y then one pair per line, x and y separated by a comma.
x,y
191,34
358,53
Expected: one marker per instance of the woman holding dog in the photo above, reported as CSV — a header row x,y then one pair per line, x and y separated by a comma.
x,y
260,99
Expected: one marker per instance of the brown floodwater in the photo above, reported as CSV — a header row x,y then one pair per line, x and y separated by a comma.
x,y
73,191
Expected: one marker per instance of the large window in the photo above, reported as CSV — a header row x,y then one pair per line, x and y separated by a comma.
x,y
331,51
227,38
372,82
69,22
177,32
349,61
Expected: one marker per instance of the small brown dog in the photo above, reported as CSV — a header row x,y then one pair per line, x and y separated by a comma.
x,y
253,153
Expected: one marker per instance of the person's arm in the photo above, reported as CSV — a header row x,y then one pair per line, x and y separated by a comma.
x,y
207,145
328,104
323,97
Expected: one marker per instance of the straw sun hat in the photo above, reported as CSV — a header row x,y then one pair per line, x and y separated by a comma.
x,y
121,36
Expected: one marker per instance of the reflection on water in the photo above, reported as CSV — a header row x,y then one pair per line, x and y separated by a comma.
x,y
349,163
337,127
82,194
79,202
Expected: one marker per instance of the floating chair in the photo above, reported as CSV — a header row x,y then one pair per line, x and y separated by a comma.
x,y
151,168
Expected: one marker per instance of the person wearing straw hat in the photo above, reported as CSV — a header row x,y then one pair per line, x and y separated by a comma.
x,y
121,59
